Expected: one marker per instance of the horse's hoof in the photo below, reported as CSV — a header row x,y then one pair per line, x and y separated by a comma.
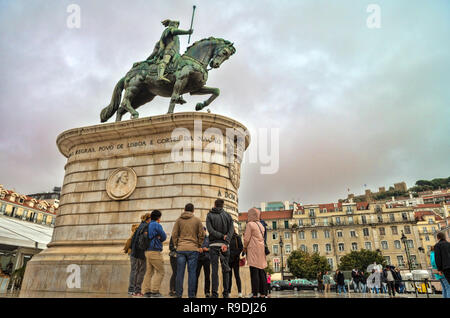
x,y
199,106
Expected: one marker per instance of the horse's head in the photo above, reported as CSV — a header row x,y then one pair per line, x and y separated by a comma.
x,y
212,51
222,53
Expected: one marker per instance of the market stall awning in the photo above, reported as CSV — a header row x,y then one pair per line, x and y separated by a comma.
x,y
15,232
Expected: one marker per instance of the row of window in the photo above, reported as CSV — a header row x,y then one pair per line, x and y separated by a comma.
x,y
341,220
28,215
341,246
353,233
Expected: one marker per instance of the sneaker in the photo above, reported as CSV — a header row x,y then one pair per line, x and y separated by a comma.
x,y
156,295
130,293
137,295
207,295
240,295
172,293
148,295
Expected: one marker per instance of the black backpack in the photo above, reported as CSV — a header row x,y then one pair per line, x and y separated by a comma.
x,y
143,242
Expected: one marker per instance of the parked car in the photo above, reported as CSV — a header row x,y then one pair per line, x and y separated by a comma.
x,y
281,285
302,284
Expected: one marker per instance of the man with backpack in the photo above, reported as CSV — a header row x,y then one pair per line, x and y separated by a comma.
x,y
137,257
220,228
154,260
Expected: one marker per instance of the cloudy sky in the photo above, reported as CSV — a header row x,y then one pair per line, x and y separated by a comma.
x,y
354,105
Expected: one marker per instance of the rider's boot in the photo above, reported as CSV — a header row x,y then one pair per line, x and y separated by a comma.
x,y
181,100
161,69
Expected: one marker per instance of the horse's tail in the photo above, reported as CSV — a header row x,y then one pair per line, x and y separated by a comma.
x,y
109,110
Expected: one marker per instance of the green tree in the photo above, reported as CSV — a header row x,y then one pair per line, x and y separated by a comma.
x,y
269,269
305,265
361,259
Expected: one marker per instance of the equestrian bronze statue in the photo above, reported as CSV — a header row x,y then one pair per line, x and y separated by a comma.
x,y
167,73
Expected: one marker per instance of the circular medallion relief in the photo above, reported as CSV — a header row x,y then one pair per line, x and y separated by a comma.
x,y
121,183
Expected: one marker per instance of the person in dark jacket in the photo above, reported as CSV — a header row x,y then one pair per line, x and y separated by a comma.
x,y
173,265
389,277
340,281
442,256
236,248
362,281
204,261
220,228
355,280
137,259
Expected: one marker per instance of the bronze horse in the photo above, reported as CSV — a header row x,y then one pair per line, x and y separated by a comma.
x,y
188,74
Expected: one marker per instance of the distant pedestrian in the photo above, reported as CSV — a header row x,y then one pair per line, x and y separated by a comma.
x,y
355,280
235,252
269,282
155,264
255,250
188,235
442,256
205,263
340,280
441,278
390,280
362,281
220,228
327,282
319,282
173,265
398,283
137,258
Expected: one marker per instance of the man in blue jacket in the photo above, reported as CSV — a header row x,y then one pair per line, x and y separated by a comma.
x,y
155,265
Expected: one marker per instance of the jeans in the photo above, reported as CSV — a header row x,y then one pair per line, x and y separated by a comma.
x,y
206,264
234,265
362,287
340,287
173,264
136,274
355,287
384,287
189,257
214,254
375,289
445,288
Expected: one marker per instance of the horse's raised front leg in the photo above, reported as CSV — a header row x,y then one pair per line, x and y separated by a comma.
x,y
181,81
126,104
203,91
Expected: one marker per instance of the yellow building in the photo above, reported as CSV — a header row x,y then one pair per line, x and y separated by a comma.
x,y
26,208
334,230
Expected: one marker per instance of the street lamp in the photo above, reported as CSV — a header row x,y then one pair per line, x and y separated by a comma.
x,y
281,248
404,240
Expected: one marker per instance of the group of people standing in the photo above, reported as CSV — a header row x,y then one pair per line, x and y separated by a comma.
x,y
190,246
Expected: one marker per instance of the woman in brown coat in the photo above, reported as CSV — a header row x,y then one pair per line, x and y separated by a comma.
x,y
256,256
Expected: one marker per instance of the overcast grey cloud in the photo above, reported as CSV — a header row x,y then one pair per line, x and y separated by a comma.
x,y
354,105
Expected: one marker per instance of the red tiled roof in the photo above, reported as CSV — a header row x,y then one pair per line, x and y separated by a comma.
x,y
428,205
269,215
436,195
419,215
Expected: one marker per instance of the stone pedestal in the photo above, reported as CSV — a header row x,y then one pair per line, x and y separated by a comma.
x,y
116,172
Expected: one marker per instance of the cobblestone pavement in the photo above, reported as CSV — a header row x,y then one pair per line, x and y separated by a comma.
x,y
315,294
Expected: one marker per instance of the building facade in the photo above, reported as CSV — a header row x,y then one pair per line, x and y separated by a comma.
x,y
26,208
334,230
